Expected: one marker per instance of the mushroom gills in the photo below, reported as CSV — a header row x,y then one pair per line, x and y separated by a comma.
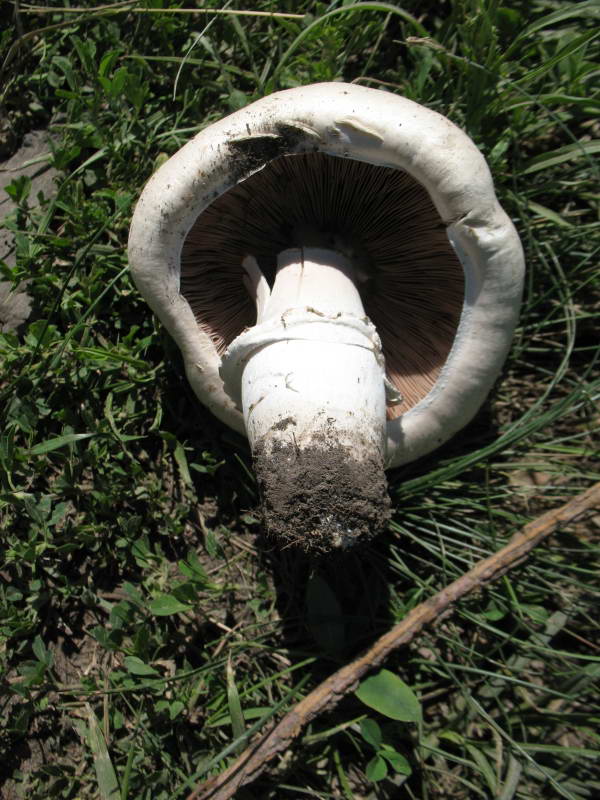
x,y
310,380
410,280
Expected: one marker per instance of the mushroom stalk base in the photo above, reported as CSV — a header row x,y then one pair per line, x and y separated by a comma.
x,y
321,498
313,397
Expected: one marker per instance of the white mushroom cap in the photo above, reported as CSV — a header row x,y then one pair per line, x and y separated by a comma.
x,y
366,125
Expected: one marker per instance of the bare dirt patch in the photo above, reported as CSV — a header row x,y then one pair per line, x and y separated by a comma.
x,y
28,162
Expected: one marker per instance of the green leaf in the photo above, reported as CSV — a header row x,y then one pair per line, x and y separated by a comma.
x,y
570,11
118,81
452,736
192,568
249,713
211,544
565,52
181,460
237,100
549,214
568,153
18,189
163,605
493,612
175,708
535,612
41,653
388,694
371,732
136,666
107,62
66,67
108,784
133,593
57,442
32,672
238,723
86,51
376,769
42,333
484,767
396,761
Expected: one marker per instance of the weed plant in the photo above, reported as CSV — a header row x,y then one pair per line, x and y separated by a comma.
x,y
146,628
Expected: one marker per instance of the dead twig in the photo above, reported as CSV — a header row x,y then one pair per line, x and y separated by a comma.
x,y
254,759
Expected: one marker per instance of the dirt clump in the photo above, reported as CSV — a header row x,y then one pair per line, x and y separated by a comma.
x,y
321,499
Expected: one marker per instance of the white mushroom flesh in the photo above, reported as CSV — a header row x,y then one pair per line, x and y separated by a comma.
x,y
311,368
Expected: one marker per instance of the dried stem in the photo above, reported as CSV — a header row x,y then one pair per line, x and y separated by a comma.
x,y
129,7
254,759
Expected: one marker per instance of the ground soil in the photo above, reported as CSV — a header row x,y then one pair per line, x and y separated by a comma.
x,y
321,499
15,304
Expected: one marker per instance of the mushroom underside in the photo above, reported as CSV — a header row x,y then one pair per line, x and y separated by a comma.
x,y
410,279
322,480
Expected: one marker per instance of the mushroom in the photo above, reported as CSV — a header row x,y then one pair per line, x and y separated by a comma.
x,y
343,285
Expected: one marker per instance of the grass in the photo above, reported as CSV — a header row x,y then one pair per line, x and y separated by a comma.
x,y
146,628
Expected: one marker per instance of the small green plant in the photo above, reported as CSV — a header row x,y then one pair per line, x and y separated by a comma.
x,y
386,755
386,693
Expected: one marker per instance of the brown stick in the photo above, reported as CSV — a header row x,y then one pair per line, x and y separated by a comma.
x,y
254,759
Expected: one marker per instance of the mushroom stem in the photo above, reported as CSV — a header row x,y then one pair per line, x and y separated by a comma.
x,y
313,398
319,279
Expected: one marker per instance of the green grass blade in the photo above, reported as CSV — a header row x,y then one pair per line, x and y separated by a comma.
x,y
108,784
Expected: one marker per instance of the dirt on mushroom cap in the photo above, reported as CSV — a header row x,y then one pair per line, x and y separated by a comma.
x,y
321,498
